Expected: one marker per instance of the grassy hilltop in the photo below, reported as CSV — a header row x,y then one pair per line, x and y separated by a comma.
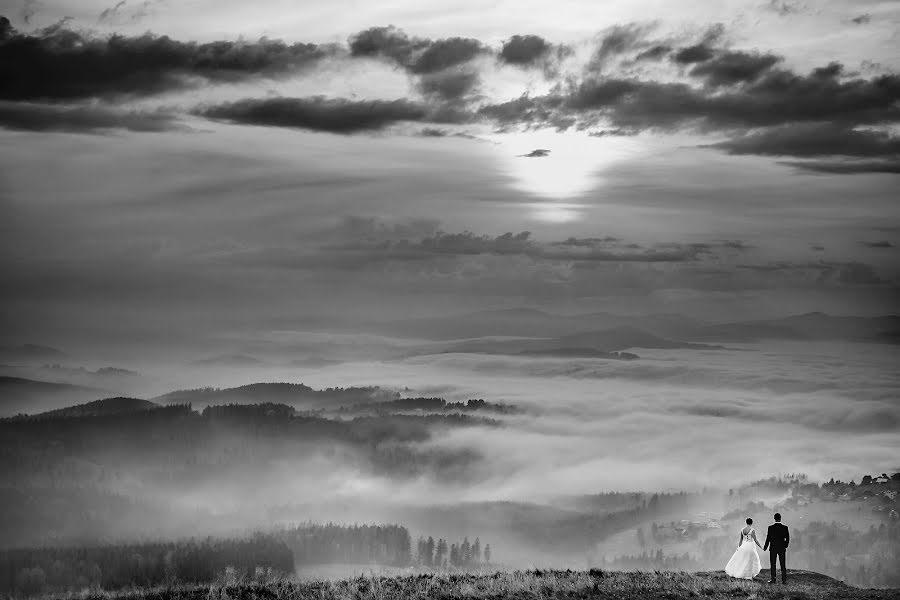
x,y
517,585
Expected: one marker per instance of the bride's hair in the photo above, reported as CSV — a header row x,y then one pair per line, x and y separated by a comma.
x,y
749,521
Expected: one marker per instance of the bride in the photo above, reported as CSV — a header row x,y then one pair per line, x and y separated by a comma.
x,y
744,563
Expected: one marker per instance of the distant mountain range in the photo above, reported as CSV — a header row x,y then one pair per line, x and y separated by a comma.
x,y
526,322
607,343
228,360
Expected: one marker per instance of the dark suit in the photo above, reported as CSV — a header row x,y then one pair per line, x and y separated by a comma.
x,y
777,540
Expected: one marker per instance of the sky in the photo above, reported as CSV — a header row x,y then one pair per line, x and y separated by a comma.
x,y
173,170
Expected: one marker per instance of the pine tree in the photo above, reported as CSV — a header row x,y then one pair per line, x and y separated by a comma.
x,y
487,553
476,551
429,552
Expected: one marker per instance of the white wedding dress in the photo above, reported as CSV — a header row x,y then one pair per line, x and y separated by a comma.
x,y
744,563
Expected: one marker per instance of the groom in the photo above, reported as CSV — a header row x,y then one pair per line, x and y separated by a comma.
x,y
777,540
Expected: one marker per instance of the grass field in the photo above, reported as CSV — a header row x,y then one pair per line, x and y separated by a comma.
x,y
569,585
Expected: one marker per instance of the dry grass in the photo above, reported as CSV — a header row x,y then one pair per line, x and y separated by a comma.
x,y
530,585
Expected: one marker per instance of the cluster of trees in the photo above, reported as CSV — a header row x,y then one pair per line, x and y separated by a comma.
x,y
147,564
294,394
462,555
799,486
322,544
430,405
263,410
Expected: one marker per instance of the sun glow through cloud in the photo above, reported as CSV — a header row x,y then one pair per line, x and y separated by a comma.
x,y
560,166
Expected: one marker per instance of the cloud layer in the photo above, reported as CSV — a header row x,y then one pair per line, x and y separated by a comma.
x,y
633,81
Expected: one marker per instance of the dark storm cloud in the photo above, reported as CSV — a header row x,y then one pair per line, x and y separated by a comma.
x,y
317,113
441,54
448,85
524,49
777,97
417,55
815,139
693,54
82,119
58,63
729,68
878,244
862,19
389,42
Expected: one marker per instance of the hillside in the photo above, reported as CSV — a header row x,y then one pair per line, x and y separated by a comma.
x,y
103,407
572,585
296,395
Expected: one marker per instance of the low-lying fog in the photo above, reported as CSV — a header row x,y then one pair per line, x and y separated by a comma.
x,y
676,419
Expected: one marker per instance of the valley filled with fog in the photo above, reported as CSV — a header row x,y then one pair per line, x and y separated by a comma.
x,y
551,456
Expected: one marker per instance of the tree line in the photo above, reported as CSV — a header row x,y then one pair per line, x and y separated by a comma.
x,y
34,571
262,555
462,555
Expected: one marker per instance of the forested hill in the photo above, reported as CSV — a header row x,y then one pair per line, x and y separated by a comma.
x,y
297,395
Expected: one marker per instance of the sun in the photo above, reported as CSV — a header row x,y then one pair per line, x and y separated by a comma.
x,y
558,166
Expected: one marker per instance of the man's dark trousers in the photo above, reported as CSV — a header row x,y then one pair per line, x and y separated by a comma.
x,y
774,555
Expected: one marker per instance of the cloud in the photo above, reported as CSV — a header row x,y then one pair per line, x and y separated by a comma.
x,y
616,41
418,55
656,52
442,54
777,97
845,167
83,118
449,84
863,19
524,49
728,68
58,63
363,242
112,11
846,273
878,244
784,8
748,97
29,9
539,153
693,54
814,139
389,42
317,113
